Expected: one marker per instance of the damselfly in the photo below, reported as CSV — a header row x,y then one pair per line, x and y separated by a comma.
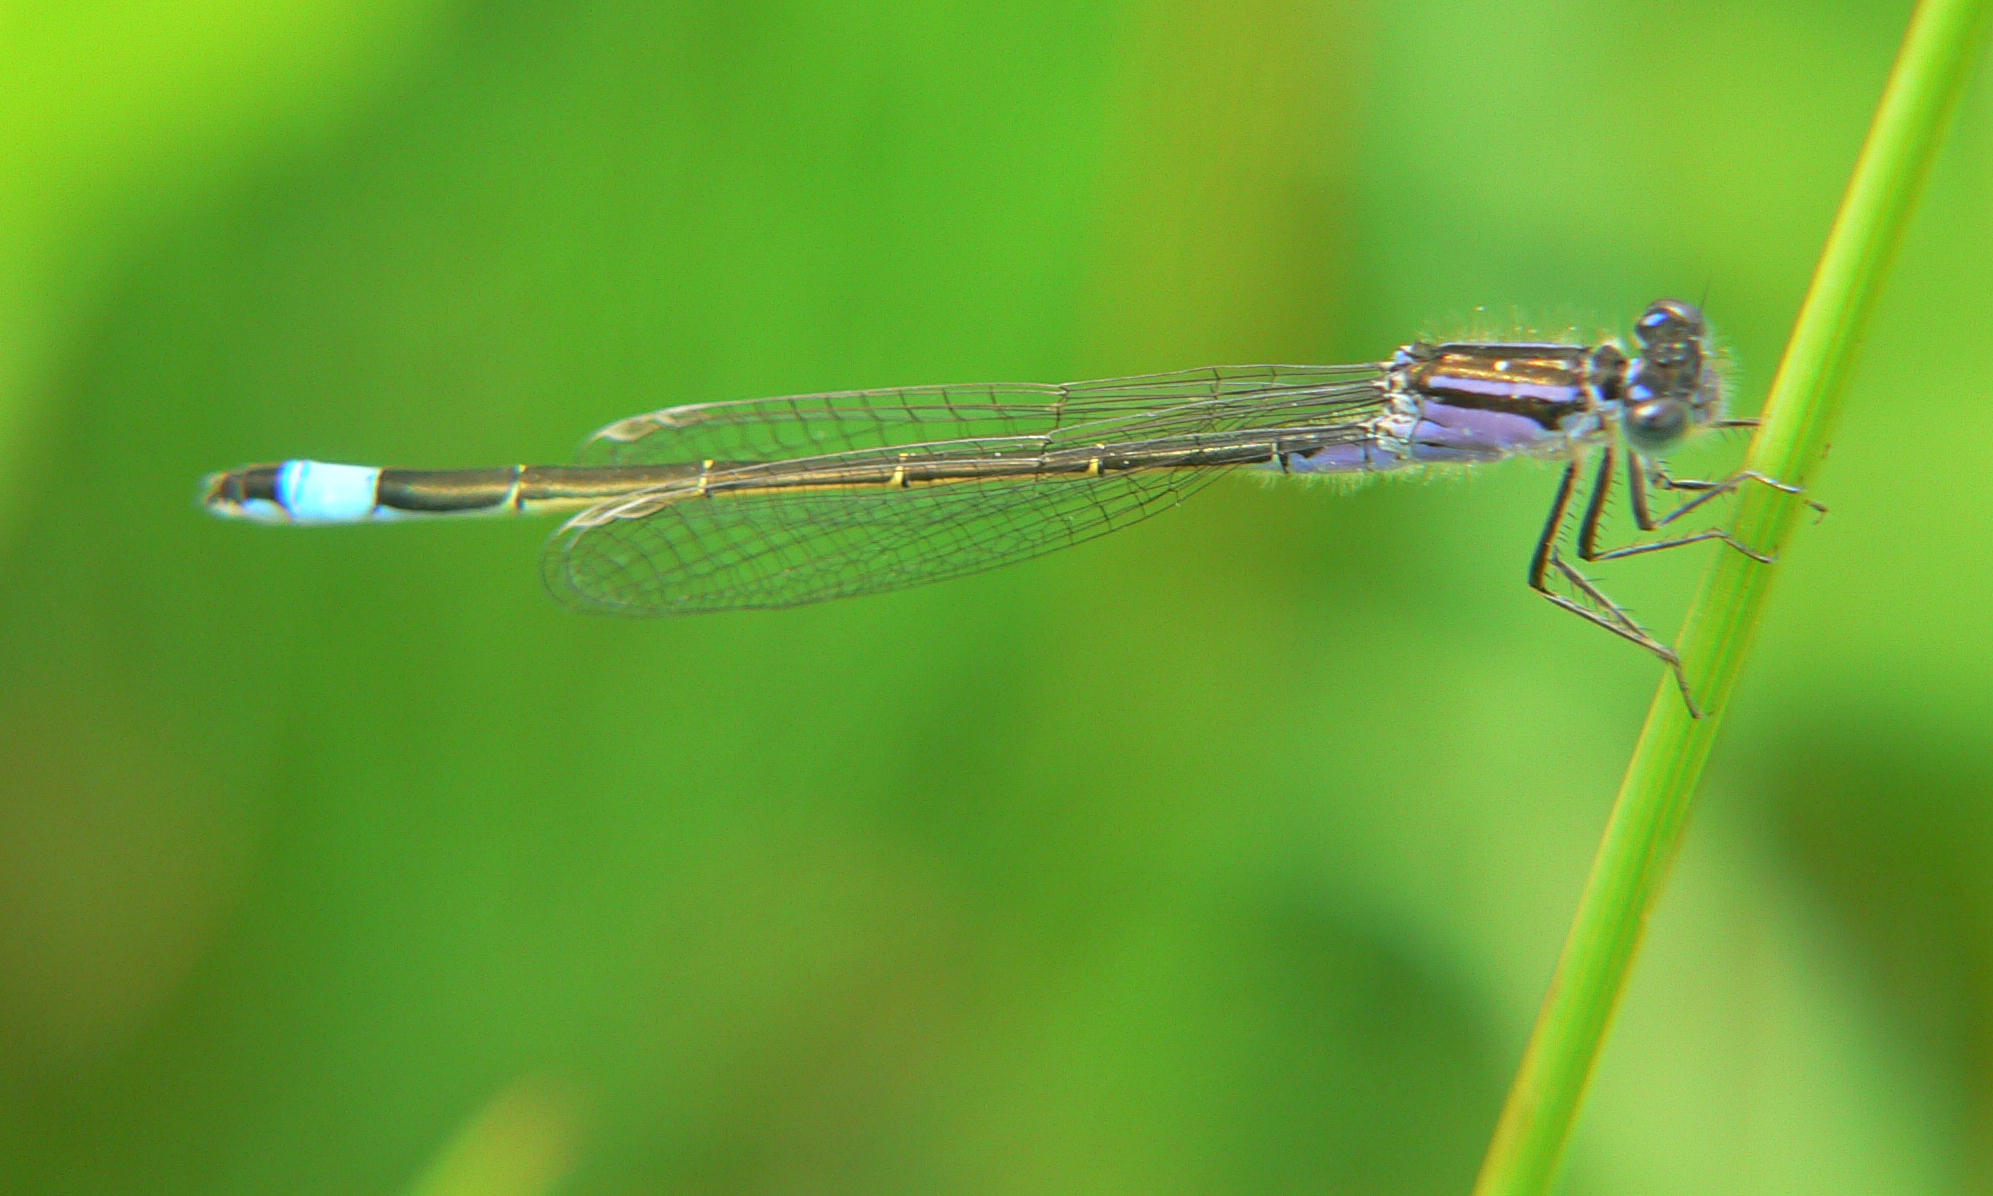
x,y
776,502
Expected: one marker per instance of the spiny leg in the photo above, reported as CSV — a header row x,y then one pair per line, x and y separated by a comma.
x,y
1604,611
1705,491
1609,614
1709,489
1637,482
1718,488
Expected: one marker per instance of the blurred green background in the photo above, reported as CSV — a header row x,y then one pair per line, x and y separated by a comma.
x,y
1230,854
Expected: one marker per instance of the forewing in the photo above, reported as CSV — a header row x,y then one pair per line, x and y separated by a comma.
x,y
993,474
750,430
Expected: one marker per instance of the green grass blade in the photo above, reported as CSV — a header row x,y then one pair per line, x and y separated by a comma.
x,y
1655,799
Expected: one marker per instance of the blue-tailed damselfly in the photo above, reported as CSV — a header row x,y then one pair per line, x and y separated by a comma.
x,y
776,502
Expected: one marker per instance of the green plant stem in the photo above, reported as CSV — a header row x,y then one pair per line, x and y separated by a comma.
x,y
1654,801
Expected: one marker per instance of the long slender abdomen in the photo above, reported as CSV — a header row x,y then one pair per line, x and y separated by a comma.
x,y
323,492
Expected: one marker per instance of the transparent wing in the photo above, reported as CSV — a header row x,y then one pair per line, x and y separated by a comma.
x,y
1052,466
800,425
785,548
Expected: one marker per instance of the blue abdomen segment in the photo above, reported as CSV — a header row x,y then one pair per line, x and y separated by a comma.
x,y
323,492
298,492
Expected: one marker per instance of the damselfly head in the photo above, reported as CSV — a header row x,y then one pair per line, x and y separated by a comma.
x,y
1672,388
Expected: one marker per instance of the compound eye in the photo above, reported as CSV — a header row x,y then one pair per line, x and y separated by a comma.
x,y
1670,321
1656,424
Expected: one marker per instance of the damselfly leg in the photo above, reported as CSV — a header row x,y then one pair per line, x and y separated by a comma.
x,y
1597,607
